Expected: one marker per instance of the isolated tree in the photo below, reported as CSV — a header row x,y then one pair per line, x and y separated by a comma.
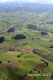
x,y
31,26
51,46
19,36
11,29
0,62
2,39
44,33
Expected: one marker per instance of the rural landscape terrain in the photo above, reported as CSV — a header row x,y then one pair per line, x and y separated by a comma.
x,y
26,41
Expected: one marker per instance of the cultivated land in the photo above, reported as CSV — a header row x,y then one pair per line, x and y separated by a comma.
x,y
26,45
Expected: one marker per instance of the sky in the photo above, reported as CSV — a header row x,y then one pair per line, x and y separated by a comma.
x,y
35,1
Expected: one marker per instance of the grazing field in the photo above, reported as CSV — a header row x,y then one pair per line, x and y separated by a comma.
x,y
26,45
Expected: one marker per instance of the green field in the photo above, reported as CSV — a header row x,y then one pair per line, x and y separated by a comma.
x,y
34,48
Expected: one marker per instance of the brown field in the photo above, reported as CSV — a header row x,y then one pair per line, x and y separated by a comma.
x,y
5,46
10,64
50,57
27,50
47,78
13,53
39,68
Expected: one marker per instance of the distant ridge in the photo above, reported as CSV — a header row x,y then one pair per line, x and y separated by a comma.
x,y
26,7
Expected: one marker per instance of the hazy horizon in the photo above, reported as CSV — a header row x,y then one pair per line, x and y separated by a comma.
x,y
29,1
